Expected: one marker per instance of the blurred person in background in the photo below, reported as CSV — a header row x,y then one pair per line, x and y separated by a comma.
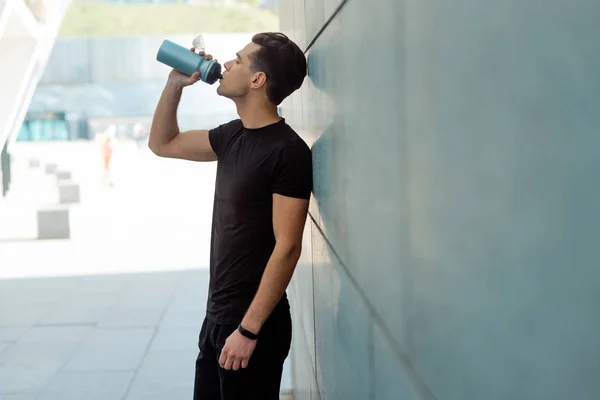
x,y
262,192
107,139
139,134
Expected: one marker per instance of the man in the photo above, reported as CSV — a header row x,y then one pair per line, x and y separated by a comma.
x,y
262,191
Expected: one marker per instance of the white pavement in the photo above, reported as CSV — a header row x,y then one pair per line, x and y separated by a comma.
x,y
156,217
115,311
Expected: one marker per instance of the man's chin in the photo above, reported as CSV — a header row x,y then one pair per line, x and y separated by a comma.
x,y
221,90
222,93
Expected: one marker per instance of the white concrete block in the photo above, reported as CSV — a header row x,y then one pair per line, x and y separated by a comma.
x,y
53,223
62,175
68,192
50,168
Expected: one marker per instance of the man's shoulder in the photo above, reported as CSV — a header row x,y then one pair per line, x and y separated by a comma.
x,y
291,139
223,135
292,151
231,126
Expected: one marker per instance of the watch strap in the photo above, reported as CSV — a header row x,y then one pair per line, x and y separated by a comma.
x,y
247,333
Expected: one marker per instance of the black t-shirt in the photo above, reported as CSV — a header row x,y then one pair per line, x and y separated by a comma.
x,y
252,165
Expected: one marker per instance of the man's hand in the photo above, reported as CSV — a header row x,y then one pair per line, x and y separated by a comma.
x,y
181,80
236,352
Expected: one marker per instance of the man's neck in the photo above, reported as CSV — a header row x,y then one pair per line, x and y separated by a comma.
x,y
256,116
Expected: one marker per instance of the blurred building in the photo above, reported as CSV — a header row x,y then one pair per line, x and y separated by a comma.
x,y
265,4
117,81
28,30
452,247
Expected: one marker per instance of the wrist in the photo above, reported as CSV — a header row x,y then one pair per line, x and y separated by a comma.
x,y
175,84
251,324
247,333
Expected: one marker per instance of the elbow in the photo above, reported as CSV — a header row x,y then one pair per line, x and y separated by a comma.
x,y
296,252
292,251
154,148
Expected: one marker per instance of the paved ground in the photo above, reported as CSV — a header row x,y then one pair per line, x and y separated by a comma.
x,y
105,337
114,312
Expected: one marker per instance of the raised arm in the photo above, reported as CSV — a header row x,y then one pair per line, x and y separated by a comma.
x,y
165,138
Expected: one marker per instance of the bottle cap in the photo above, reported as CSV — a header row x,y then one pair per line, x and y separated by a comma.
x,y
198,43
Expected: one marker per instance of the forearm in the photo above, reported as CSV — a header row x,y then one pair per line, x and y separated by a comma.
x,y
275,280
164,123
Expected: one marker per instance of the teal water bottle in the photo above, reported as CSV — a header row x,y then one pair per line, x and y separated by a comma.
x,y
188,62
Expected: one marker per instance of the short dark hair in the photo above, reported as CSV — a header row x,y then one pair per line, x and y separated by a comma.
x,y
283,63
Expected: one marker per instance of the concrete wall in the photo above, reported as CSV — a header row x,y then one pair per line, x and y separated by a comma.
x,y
452,249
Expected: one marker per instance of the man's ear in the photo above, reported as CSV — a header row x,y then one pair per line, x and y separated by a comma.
x,y
259,79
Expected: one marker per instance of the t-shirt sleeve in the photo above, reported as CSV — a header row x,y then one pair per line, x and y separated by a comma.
x,y
219,137
293,172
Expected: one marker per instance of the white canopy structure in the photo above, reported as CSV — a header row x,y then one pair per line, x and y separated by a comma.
x,y
28,30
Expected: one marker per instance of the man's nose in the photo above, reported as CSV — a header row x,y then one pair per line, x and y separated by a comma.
x,y
227,65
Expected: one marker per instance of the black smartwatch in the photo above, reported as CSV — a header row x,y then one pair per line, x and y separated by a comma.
x,y
247,333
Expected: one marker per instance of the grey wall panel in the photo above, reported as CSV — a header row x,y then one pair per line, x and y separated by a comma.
x,y
303,284
389,378
455,152
303,346
325,285
300,35
500,99
315,17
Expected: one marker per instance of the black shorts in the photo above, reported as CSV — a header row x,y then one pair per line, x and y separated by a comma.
x,y
261,380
